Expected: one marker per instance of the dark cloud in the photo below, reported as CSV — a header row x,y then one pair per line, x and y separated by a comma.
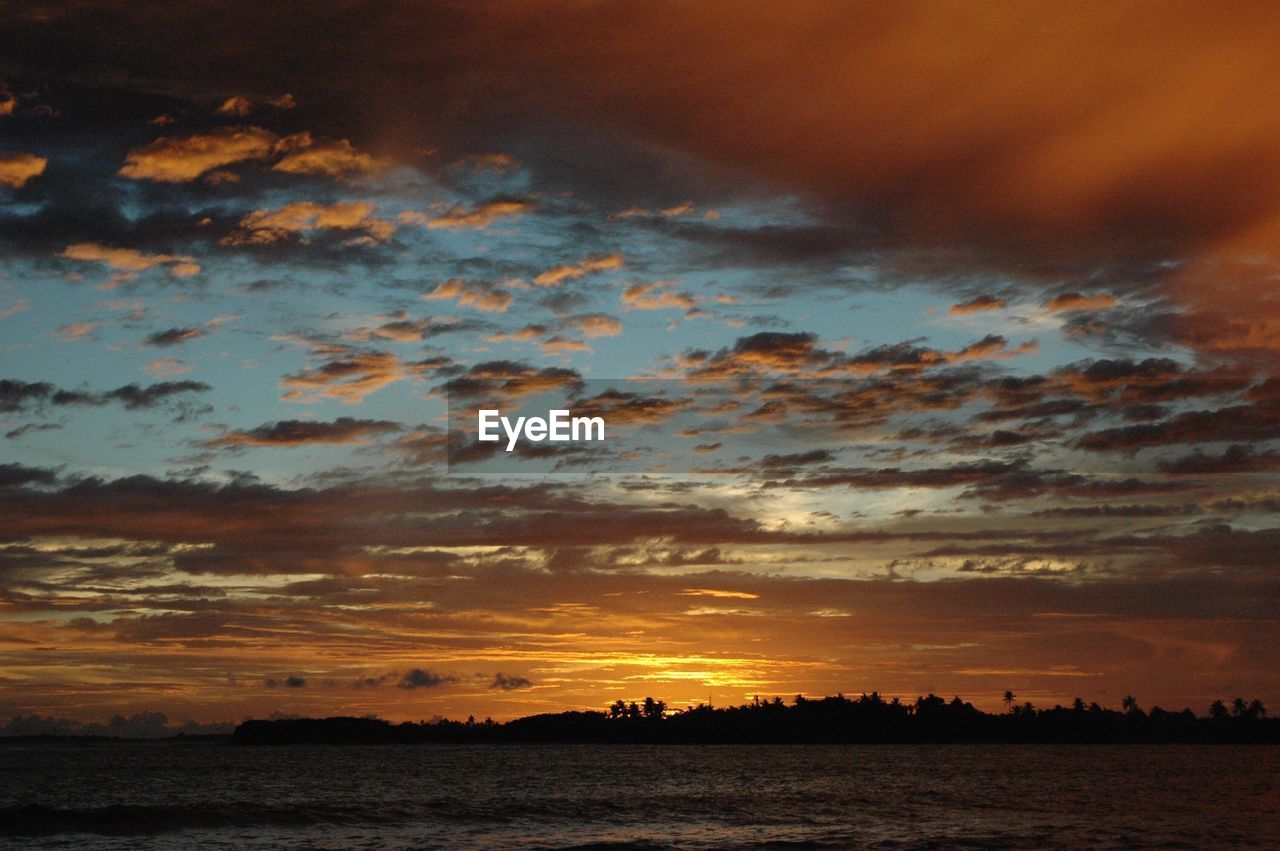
x,y
14,434
1233,459
509,682
1246,423
18,475
16,395
344,430
989,480
173,336
416,678
978,304
797,459
509,379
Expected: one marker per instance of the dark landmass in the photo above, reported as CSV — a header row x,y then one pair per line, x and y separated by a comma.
x,y
96,738
865,719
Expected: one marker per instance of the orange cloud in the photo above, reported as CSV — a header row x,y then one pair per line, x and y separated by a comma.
x,y
129,260
481,296
183,159
335,159
498,163
596,324
977,305
345,374
520,335
17,169
682,209
19,306
263,227
165,367
75,331
572,271
1067,302
464,218
562,346
655,296
235,105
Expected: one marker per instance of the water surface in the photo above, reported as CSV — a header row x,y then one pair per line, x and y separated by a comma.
x,y
138,795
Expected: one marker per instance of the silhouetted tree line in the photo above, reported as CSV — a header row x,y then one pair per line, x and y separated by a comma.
x,y
867,718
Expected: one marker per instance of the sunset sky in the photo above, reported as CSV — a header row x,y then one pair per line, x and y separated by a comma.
x,y
1032,251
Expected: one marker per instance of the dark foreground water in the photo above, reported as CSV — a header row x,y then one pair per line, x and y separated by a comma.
x,y
570,796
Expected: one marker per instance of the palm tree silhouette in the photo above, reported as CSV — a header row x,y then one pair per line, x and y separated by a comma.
x,y
1008,700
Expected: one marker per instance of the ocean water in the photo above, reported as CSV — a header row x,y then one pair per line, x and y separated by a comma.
x,y
137,795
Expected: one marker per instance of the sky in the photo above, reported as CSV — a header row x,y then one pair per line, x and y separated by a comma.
x,y
1012,266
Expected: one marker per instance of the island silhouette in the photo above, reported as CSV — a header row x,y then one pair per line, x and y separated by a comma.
x,y
868,718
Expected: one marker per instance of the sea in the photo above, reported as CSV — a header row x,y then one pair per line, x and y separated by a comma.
x,y
215,795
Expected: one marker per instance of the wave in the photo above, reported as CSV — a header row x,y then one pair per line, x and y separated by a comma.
x,y
135,819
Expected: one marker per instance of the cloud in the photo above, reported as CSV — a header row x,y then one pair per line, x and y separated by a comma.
x,y
263,227
340,432
1234,459
129,260
478,294
1034,179
519,335
333,158
19,306
15,433
20,475
184,159
165,367
798,352
15,395
416,678
498,162
18,395
401,329
75,331
463,218
1152,181
503,378
595,324
991,347
422,446
1125,381
134,397
558,345
1237,423
978,304
235,105
17,169
572,271
775,350
1069,302
509,682
173,336
345,373
656,296
682,209
291,681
